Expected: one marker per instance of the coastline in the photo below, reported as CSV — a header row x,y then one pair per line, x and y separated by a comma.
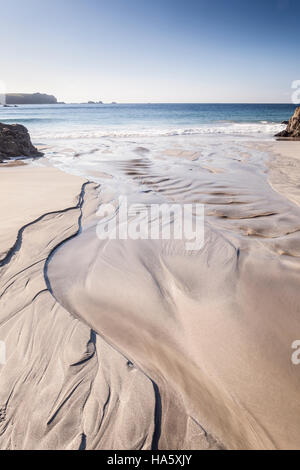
x,y
149,229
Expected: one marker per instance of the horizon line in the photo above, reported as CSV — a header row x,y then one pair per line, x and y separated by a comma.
x,y
91,102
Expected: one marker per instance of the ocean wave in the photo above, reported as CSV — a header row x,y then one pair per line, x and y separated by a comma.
x,y
263,127
30,120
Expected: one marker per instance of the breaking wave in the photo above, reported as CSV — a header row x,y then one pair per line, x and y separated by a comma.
x,y
263,127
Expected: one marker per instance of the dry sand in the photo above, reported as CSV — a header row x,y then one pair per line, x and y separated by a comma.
x,y
140,344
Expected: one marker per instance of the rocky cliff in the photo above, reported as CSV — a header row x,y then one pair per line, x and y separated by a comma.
x,y
293,127
15,142
28,98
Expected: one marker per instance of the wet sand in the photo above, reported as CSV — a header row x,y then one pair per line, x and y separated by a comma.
x,y
128,344
62,386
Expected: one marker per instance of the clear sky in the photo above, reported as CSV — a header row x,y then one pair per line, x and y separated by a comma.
x,y
151,50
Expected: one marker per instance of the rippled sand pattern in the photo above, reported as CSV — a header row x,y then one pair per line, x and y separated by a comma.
x,y
214,326
140,344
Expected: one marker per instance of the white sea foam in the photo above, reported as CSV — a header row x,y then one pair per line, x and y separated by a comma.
x,y
264,127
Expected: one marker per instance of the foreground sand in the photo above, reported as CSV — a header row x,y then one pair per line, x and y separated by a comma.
x,y
139,344
62,386
213,328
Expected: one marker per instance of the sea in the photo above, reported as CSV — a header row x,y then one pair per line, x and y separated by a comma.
x,y
79,137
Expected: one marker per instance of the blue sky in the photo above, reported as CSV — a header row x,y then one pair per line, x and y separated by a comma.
x,y
152,50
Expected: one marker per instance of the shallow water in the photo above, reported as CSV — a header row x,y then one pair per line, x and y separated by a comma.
x,y
113,130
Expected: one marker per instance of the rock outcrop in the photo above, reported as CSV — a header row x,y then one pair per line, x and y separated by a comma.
x,y
293,127
30,98
15,142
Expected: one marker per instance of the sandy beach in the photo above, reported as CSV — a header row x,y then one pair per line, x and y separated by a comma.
x,y
149,229
138,344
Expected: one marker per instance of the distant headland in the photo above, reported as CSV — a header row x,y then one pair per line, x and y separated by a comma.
x,y
13,99
30,98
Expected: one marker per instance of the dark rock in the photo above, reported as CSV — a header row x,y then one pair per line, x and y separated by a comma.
x,y
15,142
285,123
293,127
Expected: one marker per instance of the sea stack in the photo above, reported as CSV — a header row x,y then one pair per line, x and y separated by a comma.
x,y
15,142
293,127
